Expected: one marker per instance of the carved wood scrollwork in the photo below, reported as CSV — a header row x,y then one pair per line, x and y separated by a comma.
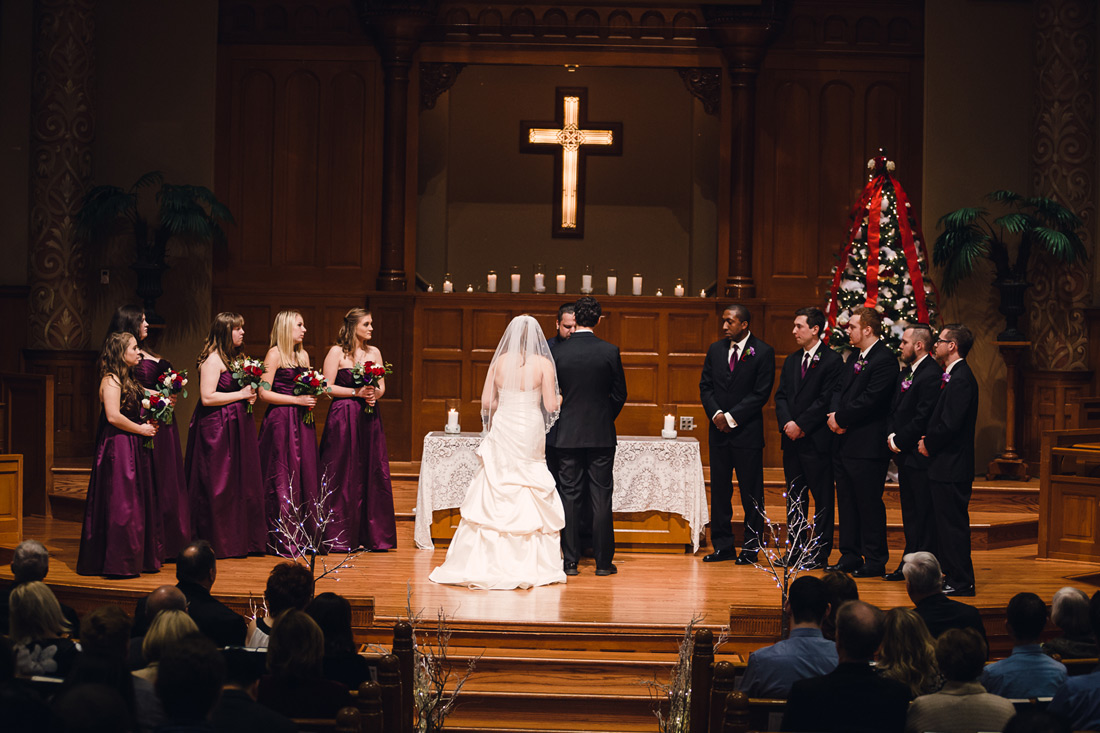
x,y
434,80
705,85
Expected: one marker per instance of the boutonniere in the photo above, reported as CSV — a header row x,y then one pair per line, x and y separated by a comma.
x,y
907,383
945,379
860,363
748,352
815,360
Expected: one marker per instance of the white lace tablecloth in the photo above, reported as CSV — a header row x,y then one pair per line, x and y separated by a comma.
x,y
651,475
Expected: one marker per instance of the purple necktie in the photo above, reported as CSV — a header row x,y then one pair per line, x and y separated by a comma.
x,y
733,357
805,363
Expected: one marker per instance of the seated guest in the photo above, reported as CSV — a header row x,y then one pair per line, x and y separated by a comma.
x,y
164,598
89,708
841,588
1027,672
165,632
342,662
1078,700
924,583
1070,612
22,709
963,705
189,681
31,561
295,684
237,710
908,652
289,586
851,698
772,670
38,631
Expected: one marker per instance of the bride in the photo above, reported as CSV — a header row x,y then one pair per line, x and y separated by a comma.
x,y
512,514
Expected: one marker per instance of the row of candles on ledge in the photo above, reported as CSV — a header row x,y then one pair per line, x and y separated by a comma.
x,y
540,283
668,428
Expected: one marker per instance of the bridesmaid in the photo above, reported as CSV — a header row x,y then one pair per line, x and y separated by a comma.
x,y
122,534
288,446
167,457
223,455
353,447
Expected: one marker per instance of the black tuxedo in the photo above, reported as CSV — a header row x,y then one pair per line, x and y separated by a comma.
x,y
914,399
949,439
593,388
853,698
808,461
862,405
742,393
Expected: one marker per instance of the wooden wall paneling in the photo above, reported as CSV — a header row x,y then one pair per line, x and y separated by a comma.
x,y
688,333
29,425
11,500
14,316
76,398
443,328
640,332
488,327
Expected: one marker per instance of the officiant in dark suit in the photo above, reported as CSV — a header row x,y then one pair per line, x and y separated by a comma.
x,y
738,375
861,406
593,388
802,402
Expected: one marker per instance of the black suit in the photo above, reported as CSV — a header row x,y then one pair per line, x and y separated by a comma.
x,y
593,388
941,613
808,461
914,399
950,443
862,405
851,699
742,393
217,621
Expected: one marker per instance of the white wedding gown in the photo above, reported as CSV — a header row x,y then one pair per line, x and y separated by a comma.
x,y
512,515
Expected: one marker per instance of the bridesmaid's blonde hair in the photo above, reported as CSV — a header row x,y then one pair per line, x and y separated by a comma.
x,y
290,354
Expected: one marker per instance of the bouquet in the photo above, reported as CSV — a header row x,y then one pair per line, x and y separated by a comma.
x,y
368,374
156,406
310,382
173,383
249,372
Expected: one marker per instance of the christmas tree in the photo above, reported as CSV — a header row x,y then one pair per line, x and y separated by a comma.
x,y
884,265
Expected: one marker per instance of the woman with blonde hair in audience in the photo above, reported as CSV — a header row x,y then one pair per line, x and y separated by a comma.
x,y
38,630
295,684
166,630
908,652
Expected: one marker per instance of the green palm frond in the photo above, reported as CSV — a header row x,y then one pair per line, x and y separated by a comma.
x,y
958,252
1053,213
101,207
961,218
1065,246
1015,223
1003,196
152,178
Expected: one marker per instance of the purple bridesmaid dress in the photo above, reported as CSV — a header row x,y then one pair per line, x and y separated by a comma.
x,y
223,477
356,465
288,455
167,469
122,533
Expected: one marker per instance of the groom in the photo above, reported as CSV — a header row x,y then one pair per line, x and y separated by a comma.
x,y
593,388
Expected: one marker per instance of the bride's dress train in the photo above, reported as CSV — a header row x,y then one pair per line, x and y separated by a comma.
x,y
512,515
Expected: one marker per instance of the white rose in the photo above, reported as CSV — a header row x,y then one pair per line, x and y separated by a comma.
x,y
145,403
185,383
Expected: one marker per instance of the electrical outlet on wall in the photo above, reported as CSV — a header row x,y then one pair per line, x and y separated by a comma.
x,y
687,422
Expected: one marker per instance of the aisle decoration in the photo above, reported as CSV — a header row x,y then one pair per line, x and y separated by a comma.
x,y
301,529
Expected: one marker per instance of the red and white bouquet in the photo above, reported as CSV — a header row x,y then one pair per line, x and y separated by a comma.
x,y
248,372
157,409
310,382
173,382
368,374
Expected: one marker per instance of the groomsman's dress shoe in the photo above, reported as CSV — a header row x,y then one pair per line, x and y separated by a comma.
x,y
894,576
963,590
844,566
721,555
869,571
571,569
606,571
746,558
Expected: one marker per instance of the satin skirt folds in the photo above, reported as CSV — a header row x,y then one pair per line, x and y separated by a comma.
x,y
288,456
512,515
172,492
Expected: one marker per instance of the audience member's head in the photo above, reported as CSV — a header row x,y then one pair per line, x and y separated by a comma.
x,y
189,679
34,613
332,613
809,600
296,648
923,576
244,667
1070,611
908,652
90,708
164,598
841,588
106,632
290,585
858,631
197,564
31,561
1036,721
1026,617
960,654
167,629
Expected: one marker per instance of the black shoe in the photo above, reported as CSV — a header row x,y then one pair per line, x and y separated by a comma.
x,y
894,576
869,571
721,555
571,569
746,558
964,590
606,571
843,566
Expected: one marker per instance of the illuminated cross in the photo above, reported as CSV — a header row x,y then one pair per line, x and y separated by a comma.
x,y
570,139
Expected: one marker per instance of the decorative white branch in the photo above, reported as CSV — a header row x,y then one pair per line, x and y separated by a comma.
x,y
301,529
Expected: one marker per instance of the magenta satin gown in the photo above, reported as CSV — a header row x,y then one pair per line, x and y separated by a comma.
x,y
168,475
223,477
356,465
122,533
288,456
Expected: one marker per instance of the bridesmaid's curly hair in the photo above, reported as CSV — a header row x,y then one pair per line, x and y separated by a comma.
x,y
220,338
345,339
127,319
112,362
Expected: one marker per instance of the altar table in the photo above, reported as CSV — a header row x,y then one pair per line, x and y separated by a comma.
x,y
659,501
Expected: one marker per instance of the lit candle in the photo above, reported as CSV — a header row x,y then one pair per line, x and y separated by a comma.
x,y
668,423
452,419
491,282
515,282
448,286
540,282
659,292
703,293
469,288
612,284
430,288
637,285
559,281
678,291
586,283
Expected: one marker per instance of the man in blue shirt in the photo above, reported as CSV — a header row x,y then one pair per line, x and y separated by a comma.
x,y
1078,701
1028,672
772,670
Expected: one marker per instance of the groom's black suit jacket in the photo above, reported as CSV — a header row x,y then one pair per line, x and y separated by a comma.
x,y
806,399
593,387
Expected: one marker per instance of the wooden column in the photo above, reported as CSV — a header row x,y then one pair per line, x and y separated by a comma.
x,y
1009,462
397,28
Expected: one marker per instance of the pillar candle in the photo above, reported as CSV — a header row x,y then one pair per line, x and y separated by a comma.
x,y
678,291
452,419
668,422
448,286
612,284
560,284
491,283
586,283
637,282
540,282
515,282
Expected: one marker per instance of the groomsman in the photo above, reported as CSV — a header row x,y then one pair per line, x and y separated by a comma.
x,y
914,398
861,406
949,443
802,401
738,375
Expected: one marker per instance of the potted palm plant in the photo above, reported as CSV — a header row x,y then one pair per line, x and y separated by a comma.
x,y
176,210
1030,222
